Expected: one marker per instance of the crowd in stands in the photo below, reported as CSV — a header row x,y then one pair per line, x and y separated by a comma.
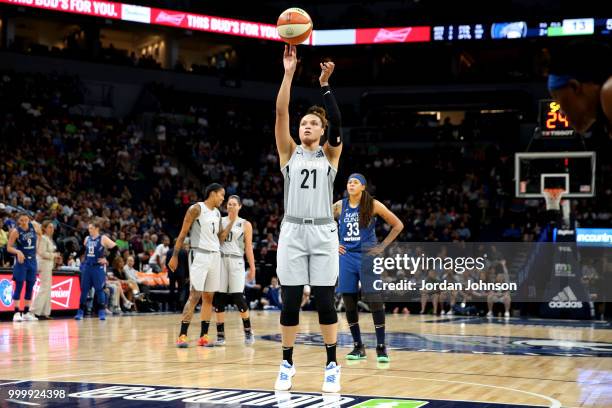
x,y
76,170
73,170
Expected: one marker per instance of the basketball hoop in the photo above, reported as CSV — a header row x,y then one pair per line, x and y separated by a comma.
x,y
553,198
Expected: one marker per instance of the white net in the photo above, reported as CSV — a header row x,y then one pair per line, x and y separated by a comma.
x,y
553,198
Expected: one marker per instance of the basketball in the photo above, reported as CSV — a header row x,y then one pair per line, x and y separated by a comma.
x,y
294,25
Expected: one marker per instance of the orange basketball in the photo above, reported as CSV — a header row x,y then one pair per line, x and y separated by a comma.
x,y
294,26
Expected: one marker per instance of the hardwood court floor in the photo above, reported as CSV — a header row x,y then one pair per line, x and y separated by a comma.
x,y
140,350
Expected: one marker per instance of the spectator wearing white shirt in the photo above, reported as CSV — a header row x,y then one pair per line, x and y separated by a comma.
x,y
130,271
158,259
73,260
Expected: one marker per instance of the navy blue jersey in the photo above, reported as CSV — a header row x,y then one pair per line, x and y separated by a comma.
x,y
93,250
26,242
352,236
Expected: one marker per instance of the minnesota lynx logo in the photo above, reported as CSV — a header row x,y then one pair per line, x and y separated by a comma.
x,y
6,292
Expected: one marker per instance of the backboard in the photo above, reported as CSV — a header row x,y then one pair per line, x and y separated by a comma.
x,y
572,171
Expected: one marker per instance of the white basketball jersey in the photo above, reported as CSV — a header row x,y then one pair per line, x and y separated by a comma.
x,y
309,184
234,243
204,230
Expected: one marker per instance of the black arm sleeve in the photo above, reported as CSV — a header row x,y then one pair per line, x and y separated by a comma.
x,y
334,126
113,253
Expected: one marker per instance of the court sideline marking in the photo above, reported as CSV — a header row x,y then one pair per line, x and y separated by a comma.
x,y
251,364
553,402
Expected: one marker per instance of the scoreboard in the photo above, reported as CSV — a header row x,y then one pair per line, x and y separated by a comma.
x,y
553,122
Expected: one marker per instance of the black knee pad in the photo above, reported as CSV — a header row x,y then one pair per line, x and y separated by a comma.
x,y
219,302
292,299
239,300
378,313
324,299
350,304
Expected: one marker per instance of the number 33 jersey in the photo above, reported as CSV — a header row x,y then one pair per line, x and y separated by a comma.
x,y
351,236
309,184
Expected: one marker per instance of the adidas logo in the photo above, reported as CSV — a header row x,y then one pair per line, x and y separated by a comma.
x,y
566,299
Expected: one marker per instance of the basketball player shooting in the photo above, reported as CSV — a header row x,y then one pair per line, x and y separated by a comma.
x,y
308,242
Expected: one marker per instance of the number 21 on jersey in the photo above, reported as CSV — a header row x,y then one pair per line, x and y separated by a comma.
x,y
306,175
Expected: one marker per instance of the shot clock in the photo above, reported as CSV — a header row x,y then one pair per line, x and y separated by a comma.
x,y
553,123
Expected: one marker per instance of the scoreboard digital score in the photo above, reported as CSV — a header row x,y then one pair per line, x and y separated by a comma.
x,y
553,123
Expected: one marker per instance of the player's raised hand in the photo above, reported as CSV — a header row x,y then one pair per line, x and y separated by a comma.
x,y
232,213
327,68
290,58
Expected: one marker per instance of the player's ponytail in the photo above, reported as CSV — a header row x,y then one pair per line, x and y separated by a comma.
x,y
366,209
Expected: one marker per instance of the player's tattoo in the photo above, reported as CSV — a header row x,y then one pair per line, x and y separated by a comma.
x,y
192,213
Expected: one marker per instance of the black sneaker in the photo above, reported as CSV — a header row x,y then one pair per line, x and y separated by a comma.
x,y
358,353
381,354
